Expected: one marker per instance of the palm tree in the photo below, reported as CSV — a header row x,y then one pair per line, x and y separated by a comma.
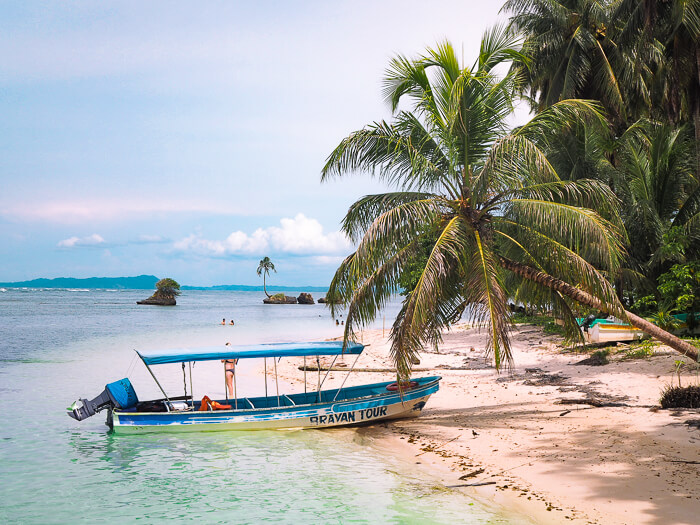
x,y
660,194
572,51
490,201
264,268
674,28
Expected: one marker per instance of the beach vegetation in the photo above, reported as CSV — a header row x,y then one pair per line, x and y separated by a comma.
x,y
534,319
639,350
168,288
265,266
480,215
600,357
681,397
639,60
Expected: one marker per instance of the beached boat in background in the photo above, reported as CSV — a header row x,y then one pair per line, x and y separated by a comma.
x,y
310,409
612,329
608,330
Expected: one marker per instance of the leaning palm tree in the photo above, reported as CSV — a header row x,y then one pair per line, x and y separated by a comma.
x,y
486,200
264,268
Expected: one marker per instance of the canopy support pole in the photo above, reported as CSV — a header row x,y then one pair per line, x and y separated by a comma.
x,y
346,377
191,387
265,364
318,366
277,385
304,374
235,390
329,369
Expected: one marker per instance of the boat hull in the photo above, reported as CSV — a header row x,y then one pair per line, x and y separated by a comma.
x,y
383,405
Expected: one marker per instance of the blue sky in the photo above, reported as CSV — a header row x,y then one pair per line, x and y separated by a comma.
x,y
186,139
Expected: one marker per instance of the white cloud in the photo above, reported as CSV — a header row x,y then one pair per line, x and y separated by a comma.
x,y
105,210
298,236
90,240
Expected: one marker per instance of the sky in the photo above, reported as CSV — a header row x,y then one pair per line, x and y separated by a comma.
x,y
186,139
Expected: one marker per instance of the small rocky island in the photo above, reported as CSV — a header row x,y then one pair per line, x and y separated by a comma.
x,y
280,298
166,291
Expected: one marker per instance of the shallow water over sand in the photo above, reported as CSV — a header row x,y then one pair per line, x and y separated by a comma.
x,y
58,345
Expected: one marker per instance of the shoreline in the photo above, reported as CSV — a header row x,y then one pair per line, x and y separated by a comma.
x,y
624,461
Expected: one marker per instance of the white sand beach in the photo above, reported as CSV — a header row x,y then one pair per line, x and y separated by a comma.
x,y
613,458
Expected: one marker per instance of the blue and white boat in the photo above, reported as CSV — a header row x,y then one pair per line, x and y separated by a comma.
x,y
316,408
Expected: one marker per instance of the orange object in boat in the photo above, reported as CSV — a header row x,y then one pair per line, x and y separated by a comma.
x,y
206,403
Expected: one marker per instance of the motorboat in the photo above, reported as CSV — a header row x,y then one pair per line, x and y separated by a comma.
x,y
313,408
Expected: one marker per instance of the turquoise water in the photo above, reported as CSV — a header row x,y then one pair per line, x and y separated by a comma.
x,y
58,345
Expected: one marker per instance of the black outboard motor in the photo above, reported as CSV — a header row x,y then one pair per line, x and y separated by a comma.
x,y
588,322
120,394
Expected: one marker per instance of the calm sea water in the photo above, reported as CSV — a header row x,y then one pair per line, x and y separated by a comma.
x,y
58,345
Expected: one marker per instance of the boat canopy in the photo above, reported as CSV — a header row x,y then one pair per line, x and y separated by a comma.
x,y
212,353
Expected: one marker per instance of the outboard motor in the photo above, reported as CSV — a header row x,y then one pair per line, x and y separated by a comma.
x,y
120,394
588,322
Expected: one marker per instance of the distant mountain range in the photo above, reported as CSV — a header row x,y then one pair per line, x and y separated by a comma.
x,y
143,282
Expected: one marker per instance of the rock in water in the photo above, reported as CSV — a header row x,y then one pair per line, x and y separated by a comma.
x,y
159,299
322,300
305,298
280,298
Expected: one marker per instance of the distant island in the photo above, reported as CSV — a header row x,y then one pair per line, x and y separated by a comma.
x,y
141,282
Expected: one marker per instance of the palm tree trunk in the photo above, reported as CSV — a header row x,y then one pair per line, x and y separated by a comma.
x,y
587,299
264,287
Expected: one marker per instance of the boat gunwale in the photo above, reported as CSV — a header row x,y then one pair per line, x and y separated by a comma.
x,y
295,408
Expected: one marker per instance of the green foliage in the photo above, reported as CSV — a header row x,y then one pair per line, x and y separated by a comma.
x,y
169,287
646,304
548,323
664,319
524,318
680,286
600,357
553,328
278,296
265,266
414,267
641,350
639,60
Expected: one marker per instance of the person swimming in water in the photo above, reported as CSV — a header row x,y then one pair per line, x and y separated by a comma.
x,y
232,323
223,321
